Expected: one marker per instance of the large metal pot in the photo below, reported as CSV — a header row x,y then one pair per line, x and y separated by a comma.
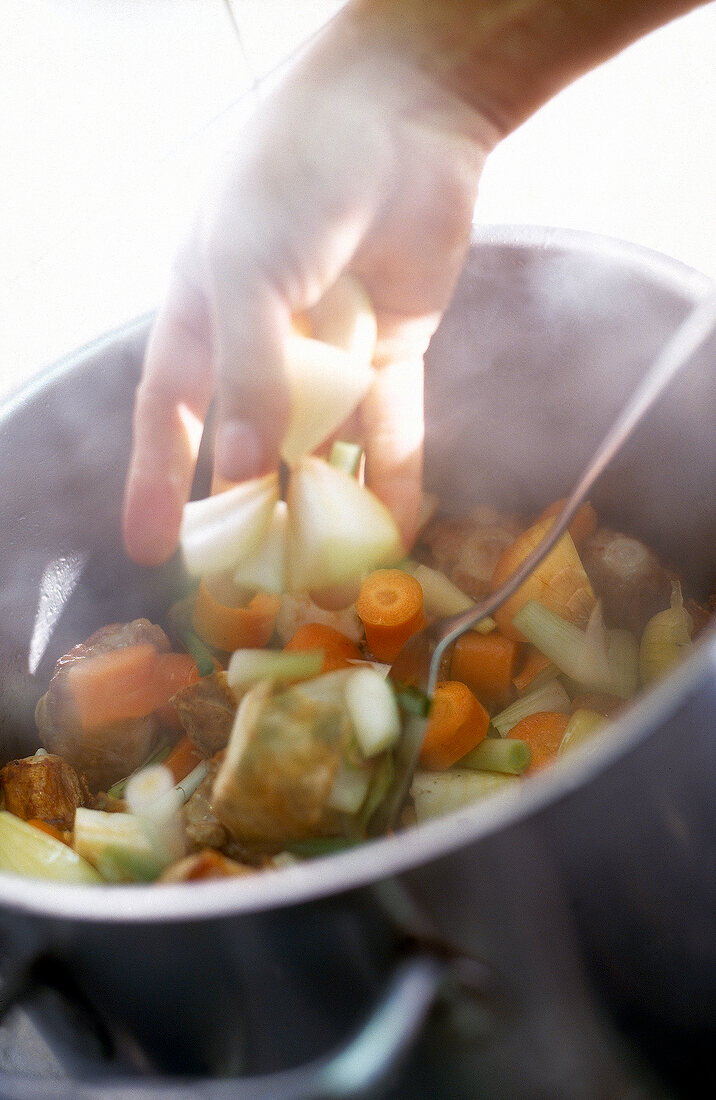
x,y
568,936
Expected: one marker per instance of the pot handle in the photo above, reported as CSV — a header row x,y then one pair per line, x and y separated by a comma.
x,y
366,1065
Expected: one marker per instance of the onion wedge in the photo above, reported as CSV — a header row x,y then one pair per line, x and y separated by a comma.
x,y
218,532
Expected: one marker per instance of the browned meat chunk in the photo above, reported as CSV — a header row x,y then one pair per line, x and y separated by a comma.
x,y
467,549
45,787
201,825
110,752
206,710
628,578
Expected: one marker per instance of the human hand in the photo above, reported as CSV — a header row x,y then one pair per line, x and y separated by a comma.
x,y
359,162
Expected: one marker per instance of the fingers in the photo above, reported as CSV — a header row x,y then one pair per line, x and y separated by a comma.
x,y
170,406
393,424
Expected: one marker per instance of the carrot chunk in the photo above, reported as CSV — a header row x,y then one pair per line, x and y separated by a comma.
x,y
113,686
543,732
457,723
183,758
559,581
390,606
338,650
230,628
534,663
486,663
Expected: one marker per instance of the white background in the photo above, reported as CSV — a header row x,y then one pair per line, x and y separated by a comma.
x,y
113,110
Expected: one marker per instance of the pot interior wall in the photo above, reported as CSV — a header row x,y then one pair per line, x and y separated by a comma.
x,y
546,336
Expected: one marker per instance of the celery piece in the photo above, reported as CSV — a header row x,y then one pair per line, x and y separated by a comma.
x,y
248,666
581,729
27,850
498,754
381,782
412,700
437,793
373,711
581,655
548,696
346,456
203,659
125,847
623,659
158,757
441,597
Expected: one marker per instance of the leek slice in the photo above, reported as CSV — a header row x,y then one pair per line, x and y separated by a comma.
x,y
124,847
248,666
26,850
498,754
441,597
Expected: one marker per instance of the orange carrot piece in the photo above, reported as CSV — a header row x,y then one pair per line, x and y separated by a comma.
x,y
543,732
390,606
230,628
338,650
486,663
183,758
584,521
173,672
534,663
45,827
559,581
457,723
113,686
131,682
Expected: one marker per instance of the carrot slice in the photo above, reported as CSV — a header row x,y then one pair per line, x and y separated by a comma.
x,y
130,682
457,723
559,581
584,521
45,827
543,732
113,686
230,628
486,663
390,606
183,758
534,663
338,650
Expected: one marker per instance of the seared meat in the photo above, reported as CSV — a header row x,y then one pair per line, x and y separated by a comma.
x,y
207,710
44,787
627,577
467,549
201,825
108,753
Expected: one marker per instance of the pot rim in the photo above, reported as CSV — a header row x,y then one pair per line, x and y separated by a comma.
x,y
388,856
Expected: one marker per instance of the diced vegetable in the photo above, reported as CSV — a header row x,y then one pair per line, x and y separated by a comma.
x,y
441,597
26,850
230,628
127,682
373,711
265,569
666,639
438,793
123,847
543,733
182,759
559,582
534,666
549,696
349,789
248,666
347,457
456,724
390,606
338,650
486,663
580,730
220,531
337,531
498,754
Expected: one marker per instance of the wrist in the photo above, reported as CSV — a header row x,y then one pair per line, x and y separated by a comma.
x,y
506,58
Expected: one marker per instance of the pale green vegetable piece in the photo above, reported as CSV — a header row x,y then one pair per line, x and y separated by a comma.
x,y
437,793
26,850
373,710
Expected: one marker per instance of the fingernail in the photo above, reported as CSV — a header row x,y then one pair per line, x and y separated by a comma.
x,y
239,450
